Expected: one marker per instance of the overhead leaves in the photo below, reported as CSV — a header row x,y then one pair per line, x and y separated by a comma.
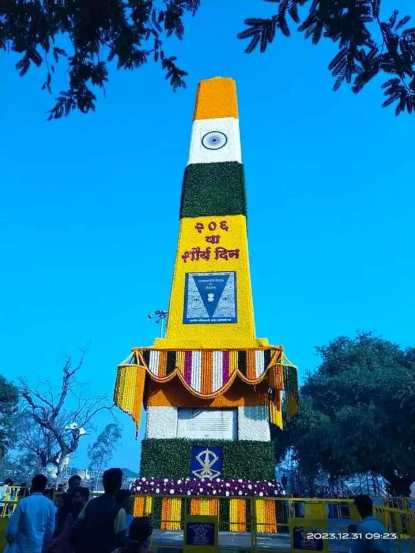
x,y
368,45
131,33
128,32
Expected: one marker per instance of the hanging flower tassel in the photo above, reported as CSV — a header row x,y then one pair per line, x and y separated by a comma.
x,y
237,515
143,506
275,381
266,519
204,506
291,390
129,391
171,513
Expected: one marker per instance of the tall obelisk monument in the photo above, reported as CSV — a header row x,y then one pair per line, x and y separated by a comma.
x,y
210,387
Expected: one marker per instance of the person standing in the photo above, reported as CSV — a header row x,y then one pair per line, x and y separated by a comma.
x,y
65,502
61,543
367,528
123,497
33,521
102,524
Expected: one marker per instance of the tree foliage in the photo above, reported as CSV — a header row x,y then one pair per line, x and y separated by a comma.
x,y
20,467
358,413
53,420
102,450
86,35
8,405
368,44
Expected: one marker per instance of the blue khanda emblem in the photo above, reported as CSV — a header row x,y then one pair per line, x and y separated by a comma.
x,y
206,462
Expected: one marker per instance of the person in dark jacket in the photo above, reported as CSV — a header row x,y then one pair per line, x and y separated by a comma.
x,y
62,542
65,502
102,524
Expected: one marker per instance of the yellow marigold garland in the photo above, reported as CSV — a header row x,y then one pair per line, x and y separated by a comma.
x,y
143,506
237,515
171,513
203,506
266,519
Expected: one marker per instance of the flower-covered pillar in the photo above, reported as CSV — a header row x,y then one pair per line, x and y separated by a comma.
x,y
210,382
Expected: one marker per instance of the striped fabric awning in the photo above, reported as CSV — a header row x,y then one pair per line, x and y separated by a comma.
x,y
209,373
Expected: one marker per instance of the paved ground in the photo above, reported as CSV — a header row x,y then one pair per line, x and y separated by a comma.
x,y
229,542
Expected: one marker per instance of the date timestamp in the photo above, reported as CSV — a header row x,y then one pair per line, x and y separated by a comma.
x,y
351,536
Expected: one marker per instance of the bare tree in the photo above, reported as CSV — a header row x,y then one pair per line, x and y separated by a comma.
x,y
54,420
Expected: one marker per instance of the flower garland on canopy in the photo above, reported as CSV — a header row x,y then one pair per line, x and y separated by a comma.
x,y
218,487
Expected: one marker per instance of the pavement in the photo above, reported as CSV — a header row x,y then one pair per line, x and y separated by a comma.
x,y
230,542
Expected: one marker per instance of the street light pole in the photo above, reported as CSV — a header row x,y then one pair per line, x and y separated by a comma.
x,y
159,317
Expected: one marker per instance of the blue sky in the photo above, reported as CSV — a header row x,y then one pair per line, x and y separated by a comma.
x,y
89,207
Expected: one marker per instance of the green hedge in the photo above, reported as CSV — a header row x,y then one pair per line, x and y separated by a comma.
x,y
213,189
250,460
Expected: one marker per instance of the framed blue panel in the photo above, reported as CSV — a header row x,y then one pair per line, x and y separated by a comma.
x,y
210,298
201,534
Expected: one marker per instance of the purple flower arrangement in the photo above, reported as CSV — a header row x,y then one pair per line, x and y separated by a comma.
x,y
216,487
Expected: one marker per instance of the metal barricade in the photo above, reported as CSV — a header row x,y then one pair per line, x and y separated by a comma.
x,y
266,524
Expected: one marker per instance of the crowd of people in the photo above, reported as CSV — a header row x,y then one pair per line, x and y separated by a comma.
x,y
75,523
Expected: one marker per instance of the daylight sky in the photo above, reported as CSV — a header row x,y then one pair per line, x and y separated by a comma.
x,y
89,207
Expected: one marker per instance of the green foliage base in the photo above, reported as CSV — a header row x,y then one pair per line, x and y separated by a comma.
x,y
213,189
251,460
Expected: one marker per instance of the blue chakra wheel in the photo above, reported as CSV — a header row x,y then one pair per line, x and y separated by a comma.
x,y
214,140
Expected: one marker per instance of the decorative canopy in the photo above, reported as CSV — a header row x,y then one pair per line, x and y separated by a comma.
x,y
207,374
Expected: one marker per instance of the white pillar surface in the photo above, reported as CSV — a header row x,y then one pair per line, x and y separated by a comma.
x,y
253,423
215,140
207,424
161,422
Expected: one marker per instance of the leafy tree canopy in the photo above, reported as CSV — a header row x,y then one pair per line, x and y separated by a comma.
x,y
358,412
86,35
102,450
8,406
130,32
368,43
